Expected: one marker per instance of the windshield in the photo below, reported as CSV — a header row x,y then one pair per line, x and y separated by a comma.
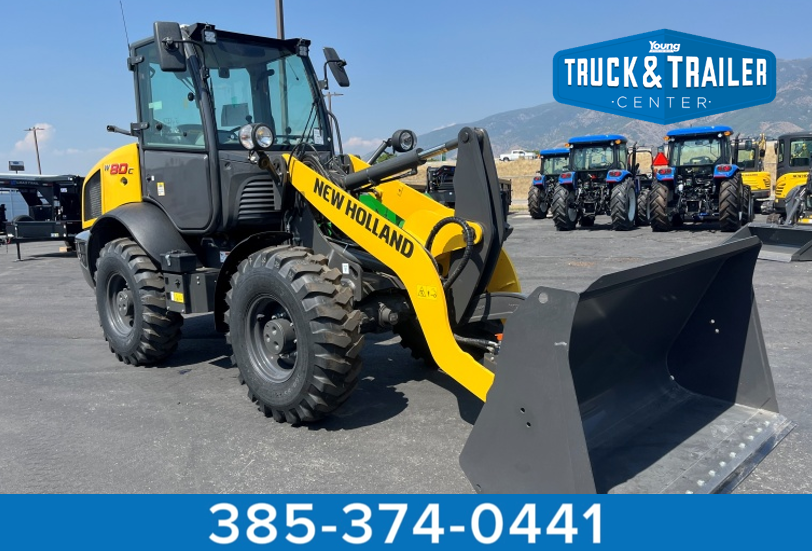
x,y
746,158
696,151
799,151
255,83
597,157
554,165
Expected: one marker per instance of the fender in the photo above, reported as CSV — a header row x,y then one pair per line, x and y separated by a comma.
x,y
145,223
616,176
725,171
665,174
539,180
567,178
243,250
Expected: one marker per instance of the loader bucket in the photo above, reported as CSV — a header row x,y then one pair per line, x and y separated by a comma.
x,y
781,243
653,380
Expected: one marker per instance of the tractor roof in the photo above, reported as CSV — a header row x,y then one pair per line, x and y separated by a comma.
x,y
597,139
698,131
795,135
554,152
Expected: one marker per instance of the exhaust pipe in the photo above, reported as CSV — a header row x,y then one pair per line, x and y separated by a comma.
x,y
653,380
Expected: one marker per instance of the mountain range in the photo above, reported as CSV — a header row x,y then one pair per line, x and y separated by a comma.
x,y
552,124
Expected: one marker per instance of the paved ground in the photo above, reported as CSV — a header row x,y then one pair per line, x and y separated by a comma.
x,y
73,419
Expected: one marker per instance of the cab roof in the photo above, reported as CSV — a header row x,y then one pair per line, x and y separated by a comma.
x,y
554,152
598,138
698,131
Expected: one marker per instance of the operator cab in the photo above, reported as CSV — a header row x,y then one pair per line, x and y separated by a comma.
x,y
694,152
207,99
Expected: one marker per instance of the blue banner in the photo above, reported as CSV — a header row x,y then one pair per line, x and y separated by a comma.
x,y
401,522
664,76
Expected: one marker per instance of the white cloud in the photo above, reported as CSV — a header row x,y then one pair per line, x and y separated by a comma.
x,y
45,133
360,145
444,126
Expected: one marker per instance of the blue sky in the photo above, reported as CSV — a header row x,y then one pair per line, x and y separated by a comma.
x,y
412,64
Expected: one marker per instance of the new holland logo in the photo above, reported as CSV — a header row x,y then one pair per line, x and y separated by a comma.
x,y
664,76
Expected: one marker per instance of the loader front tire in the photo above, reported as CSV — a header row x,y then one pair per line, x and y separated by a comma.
x,y
132,305
294,333
565,215
658,215
623,206
732,209
537,202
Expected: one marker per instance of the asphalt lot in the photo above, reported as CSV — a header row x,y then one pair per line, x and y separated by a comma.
x,y
73,419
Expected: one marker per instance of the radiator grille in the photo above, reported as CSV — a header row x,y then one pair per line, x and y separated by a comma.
x,y
257,201
92,197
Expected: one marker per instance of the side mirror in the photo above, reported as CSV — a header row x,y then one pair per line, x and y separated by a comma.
x,y
337,67
168,40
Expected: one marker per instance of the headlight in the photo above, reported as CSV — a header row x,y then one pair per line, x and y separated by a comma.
x,y
256,136
246,138
403,141
263,136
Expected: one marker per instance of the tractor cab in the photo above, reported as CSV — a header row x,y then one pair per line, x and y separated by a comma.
x,y
749,157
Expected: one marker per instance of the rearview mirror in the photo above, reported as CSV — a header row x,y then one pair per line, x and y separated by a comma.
x,y
337,67
168,40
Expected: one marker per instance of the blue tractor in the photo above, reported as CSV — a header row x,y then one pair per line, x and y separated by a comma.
x,y
601,179
540,194
701,183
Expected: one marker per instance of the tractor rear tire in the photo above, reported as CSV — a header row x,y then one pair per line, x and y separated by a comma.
x,y
658,215
294,333
132,305
732,211
564,215
623,205
642,207
537,202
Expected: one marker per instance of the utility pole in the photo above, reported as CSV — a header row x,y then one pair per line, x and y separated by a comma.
x,y
280,20
329,96
36,143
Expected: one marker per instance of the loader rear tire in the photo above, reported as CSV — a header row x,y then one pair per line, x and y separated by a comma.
x,y
623,206
642,207
658,215
564,215
132,305
537,202
294,333
732,207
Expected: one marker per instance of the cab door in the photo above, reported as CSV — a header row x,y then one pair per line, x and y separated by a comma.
x,y
174,155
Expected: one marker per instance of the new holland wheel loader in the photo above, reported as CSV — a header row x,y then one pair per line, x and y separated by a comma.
x,y
236,199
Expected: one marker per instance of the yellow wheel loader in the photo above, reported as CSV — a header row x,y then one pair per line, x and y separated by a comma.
x,y
750,160
236,198
787,235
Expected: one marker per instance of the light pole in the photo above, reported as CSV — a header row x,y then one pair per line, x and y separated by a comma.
x,y
329,96
36,145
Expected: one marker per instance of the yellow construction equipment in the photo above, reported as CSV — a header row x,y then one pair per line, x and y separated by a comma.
x,y
236,198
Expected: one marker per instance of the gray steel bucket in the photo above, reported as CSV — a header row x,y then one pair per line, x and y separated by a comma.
x,y
781,243
654,379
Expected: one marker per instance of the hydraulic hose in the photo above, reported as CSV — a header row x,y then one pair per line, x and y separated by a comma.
x,y
469,246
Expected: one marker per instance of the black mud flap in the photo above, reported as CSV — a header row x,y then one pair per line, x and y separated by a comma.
x,y
780,243
654,379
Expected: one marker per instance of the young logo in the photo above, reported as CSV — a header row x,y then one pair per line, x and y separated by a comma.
x,y
664,76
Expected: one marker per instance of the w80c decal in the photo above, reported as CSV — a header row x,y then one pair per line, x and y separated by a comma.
x,y
118,168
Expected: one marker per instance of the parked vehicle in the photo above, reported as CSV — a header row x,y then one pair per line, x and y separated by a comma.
x,y
540,194
517,154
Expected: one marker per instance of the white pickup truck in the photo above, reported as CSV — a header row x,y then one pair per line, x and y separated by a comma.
x,y
517,154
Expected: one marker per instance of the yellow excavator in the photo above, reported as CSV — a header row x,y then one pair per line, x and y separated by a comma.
x,y
236,198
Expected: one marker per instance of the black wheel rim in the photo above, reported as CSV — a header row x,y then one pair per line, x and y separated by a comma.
x,y
120,305
272,342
